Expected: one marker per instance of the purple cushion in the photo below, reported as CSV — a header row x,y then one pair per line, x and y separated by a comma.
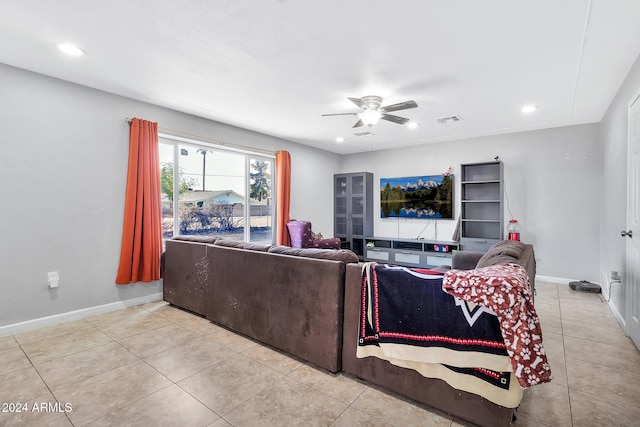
x,y
300,233
333,243
302,237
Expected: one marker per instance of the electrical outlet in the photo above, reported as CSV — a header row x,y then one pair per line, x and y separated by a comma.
x,y
53,278
616,276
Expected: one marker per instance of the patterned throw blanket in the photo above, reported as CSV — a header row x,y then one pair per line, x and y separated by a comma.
x,y
415,319
505,290
408,306
407,319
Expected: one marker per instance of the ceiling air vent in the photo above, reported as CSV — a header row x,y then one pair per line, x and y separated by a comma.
x,y
363,133
449,119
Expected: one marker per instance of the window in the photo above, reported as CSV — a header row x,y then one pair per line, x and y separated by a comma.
x,y
207,190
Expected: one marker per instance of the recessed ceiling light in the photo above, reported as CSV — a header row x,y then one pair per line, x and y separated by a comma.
x,y
70,49
412,125
339,139
529,108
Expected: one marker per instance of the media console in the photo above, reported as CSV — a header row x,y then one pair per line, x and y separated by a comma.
x,y
409,252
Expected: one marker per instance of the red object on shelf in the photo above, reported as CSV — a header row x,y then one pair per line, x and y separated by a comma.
x,y
513,230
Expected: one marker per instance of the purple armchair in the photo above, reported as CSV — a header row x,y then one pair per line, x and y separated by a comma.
x,y
302,237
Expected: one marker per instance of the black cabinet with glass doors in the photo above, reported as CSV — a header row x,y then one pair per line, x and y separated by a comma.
x,y
353,210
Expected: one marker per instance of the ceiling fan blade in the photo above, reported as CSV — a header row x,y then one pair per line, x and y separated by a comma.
x,y
399,106
358,124
358,102
395,119
340,114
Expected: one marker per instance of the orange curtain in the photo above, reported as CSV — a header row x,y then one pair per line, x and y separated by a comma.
x,y
142,230
283,188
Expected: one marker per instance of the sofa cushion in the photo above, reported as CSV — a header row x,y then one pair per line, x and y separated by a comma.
x,y
503,252
343,255
260,247
465,260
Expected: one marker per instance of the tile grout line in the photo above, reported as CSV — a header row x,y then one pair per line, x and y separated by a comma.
x,y
236,353
562,301
174,382
43,380
564,353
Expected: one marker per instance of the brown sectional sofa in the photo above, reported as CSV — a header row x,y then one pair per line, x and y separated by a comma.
x,y
306,302
290,299
407,382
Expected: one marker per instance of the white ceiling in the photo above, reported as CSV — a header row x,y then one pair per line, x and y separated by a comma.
x,y
274,66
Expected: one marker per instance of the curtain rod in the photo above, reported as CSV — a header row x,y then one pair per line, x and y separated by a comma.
x,y
197,138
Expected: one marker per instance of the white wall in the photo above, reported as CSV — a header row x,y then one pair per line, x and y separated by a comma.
x,y
63,166
552,180
613,205
63,169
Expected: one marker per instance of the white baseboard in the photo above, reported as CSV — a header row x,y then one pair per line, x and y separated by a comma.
x,y
76,314
619,318
561,280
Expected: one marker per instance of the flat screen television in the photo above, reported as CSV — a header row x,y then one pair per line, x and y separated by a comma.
x,y
428,197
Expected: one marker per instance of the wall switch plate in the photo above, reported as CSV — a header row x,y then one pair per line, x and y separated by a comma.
x,y
53,278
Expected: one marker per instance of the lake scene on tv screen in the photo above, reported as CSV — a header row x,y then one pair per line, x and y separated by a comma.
x,y
428,197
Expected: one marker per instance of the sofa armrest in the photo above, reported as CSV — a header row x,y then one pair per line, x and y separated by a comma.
x,y
186,274
465,260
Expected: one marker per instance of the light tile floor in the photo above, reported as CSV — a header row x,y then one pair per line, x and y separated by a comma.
x,y
157,365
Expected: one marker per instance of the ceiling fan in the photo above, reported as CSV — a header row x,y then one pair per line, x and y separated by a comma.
x,y
372,111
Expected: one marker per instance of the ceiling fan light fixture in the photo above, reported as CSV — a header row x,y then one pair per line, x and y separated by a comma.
x,y
370,117
412,125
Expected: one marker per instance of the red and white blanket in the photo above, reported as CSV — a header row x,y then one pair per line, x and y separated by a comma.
x,y
505,290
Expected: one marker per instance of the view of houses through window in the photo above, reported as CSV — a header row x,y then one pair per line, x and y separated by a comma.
x,y
212,191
